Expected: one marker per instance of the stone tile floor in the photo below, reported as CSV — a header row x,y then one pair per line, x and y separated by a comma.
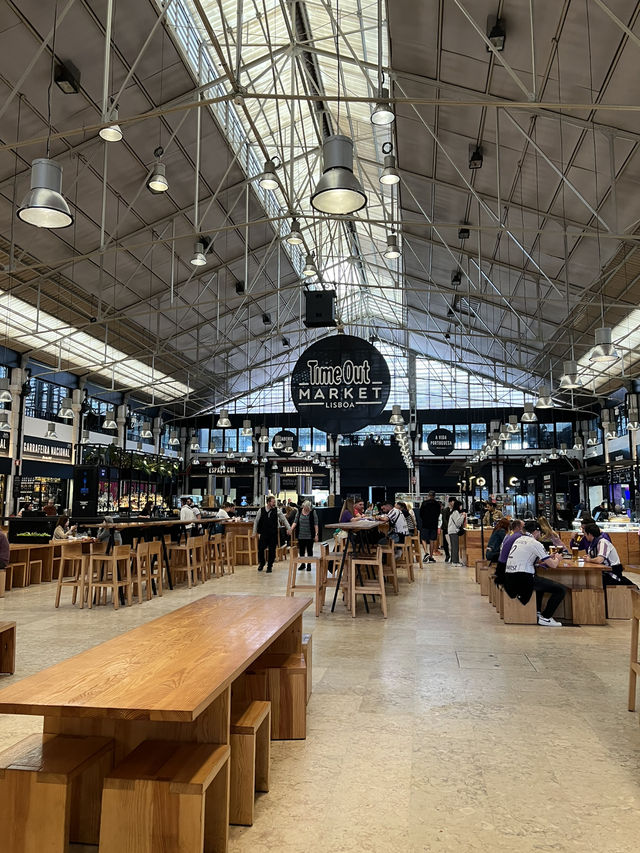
x,y
439,729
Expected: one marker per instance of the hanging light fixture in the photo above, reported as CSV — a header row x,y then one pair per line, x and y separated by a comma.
x,y
274,466
5,426
109,421
246,428
309,269
528,463
268,180
158,182
112,133
5,394
338,191
174,440
537,460
604,351
608,426
243,460
44,206
51,431
475,157
194,445
577,444
563,449
505,432
294,237
65,411
199,259
544,400
288,448
223,420
497,35
84,439
392,251
231,455
278,444
592,440
553,454
528,416
195,461
513,424
145,430
264,437
396,415
389,175
633,418
255,461
383,113
570,378
138,445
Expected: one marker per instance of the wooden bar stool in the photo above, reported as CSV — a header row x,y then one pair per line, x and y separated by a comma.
x,y
330,566
250,758
111,572
142,570
7,647
366,583
71,571
198,558
181,556
405,559
292,584
19,574
389,565
634,662
246,548
169,796
156,568
36,798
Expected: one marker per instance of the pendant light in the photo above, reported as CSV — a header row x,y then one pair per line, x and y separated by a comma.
x,y
396,415
274,466
513,424
44,205
544,400
309,269
268,180
537,460
246,428
255,461
338,192
65,411
528,463
84,439
383,113
278,444
528,416
294,237
570,378
577,444
51,431
608,425
389,175
112,133
392,251
109,421
604,351
199,259
146,431
231,455
563,449
633,417
264,438
592,440
223,420
194,445
174,440
288,448
158,182
5,426
5,394
553,453
243,460
505,433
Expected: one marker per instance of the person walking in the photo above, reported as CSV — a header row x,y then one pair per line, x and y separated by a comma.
x,y
306,522
266,524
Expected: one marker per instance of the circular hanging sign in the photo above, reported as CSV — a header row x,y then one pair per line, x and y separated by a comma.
x,y
440,442
285,443
340,384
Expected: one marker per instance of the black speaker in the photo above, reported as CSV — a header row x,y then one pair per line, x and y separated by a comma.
x,y
320,308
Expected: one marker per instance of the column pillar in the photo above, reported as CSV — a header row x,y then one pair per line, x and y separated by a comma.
x,y
16,378
157,432
121,421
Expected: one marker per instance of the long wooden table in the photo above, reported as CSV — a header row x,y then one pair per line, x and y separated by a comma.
x,y
585,603
173,678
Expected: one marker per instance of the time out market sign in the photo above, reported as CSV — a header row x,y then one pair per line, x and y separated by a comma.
x,y
340,384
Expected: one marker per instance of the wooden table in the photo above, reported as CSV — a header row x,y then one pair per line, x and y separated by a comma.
x,y
172,678
352,528
585,604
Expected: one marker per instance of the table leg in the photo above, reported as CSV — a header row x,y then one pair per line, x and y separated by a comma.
x,y
165,557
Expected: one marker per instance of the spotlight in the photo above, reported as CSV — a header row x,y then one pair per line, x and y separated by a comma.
x,y
392,251
389,175
239,287
456,278
338,191
294,237
67,78
158,182
246,428
198,259
309,267
463,233
109,420
112,133
44,205
383,113
285,342
174,441
604,351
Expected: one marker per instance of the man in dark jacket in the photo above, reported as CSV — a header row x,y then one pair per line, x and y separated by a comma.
x,y
266,526
430,510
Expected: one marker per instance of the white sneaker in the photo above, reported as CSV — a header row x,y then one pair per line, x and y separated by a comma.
x,y
549,623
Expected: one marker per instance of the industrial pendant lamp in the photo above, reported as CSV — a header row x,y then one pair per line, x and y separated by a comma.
x,y
396,415
577,444
294,237
5,426
112,133
389,175
512,426
633,418
544,400
174,441
570,378
223,420
338,192
158,182
246,428
44,205
264,438
505,432
65,411
198,259
309,267
51,431
268,180
604,351
392,251
383,113
528,416
109,420
5,394
146,431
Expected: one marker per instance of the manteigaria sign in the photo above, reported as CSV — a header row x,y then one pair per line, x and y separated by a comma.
x,y
340,384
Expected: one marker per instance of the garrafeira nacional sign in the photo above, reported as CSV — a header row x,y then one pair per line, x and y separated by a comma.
x,y
340,384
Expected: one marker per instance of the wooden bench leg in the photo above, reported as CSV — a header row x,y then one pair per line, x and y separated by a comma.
x,y
8,648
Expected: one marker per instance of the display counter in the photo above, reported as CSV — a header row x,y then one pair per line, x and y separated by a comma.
x,y
624,538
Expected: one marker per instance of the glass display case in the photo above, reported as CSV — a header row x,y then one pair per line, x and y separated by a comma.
x,y
39,490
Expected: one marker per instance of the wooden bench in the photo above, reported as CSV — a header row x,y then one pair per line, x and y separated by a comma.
x,y
480,564
517,613
250,757
634,662
43,783
618,600
483,574
307,653
169,796
7,647
282,680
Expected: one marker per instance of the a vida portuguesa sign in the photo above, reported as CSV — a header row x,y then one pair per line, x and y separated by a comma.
x,y
440,442
340,384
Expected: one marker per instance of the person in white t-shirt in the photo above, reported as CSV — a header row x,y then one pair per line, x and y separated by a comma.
x,y
187,514
600,550
521,581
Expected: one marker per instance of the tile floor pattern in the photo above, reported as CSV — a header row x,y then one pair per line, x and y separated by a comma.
x,y
440,729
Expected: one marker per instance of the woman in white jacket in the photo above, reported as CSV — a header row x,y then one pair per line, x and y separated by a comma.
x,y
457,520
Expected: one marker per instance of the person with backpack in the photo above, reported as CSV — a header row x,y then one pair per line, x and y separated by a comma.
x,y
306,522
266,526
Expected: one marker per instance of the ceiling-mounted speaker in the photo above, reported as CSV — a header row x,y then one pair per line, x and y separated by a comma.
x,y
320,308
239,287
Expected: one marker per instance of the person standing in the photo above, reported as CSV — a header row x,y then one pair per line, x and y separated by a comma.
x,y
306,522
520,577
444,528
266,526
187,514
430,510
456,523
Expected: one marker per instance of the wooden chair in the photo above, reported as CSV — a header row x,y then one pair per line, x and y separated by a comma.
x,y
167,796
36,779
111,572
250,758
405,559
246,548
71,571
292,579
7,647
634,662
367,582
142,571
20,574
156,567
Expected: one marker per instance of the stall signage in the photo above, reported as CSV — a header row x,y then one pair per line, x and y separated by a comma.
x,y
440,442
4,444
53,452
340,384
285,443
299,470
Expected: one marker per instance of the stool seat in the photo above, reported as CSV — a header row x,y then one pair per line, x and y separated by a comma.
x,y
250,757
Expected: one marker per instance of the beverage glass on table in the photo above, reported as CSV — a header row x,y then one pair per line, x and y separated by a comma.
x,y
574,553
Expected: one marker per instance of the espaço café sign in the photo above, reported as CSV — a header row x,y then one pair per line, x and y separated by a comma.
x,y
340,384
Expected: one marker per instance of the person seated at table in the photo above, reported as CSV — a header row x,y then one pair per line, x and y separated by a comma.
x,y
516,529
104,532
496,539
50,507
582,545
358,510
228,509
398,527
601,550
28,507
62,529
521,579
347,511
